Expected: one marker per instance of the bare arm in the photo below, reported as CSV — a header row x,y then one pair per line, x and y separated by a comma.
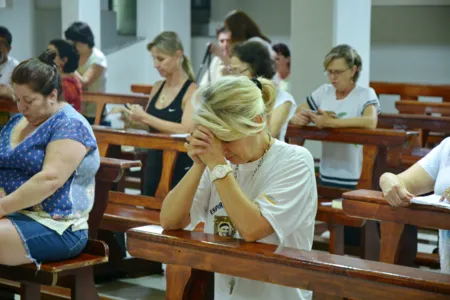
x,y
6,91
59,165
243,212
279,117
368,120
91,75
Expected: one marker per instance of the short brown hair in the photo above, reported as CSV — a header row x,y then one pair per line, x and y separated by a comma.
x,y
351,57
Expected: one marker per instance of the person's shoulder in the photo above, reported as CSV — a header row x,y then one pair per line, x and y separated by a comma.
x,y
367,93
98,53
325,90
292,154
68,116
283,97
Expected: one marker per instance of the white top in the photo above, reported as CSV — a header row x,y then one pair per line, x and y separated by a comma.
x,y
215,71
6,70
341,164
97,58
283,97
282,84
285,189
437,165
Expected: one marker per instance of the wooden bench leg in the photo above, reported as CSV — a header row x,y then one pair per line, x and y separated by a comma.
x,y
185,283
83,286
30,291
398,244
370,241
336,239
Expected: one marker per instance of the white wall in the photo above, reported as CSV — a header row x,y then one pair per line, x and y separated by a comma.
x,y
19,19
125,68
50,19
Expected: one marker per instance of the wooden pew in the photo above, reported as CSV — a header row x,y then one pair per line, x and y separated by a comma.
x,y
411,91
76,273
376,143
145,89
127,211
192,257
101,99
425,108
400,160
398,224
8,105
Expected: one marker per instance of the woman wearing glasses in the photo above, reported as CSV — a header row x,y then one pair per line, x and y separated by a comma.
x,y
252,59
341,103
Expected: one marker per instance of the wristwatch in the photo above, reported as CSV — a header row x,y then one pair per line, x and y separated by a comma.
x,y
220,171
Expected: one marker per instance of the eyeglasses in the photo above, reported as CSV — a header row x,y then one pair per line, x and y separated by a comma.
x,y
336,73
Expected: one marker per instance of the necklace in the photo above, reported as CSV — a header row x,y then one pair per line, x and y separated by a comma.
x,y
236,167
162,99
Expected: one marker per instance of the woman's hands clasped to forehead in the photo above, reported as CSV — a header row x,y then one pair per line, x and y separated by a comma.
x,y
204,148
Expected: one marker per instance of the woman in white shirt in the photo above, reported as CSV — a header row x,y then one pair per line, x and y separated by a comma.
x,y
283,67
431,173
243,183
339,104
253,60
92,65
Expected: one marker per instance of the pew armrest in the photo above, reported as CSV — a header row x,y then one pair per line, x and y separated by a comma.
x,y
112,169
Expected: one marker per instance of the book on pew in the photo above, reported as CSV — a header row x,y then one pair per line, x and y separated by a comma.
x,y
180,135
433,200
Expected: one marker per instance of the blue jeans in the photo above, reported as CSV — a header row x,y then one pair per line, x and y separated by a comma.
x,y
44,244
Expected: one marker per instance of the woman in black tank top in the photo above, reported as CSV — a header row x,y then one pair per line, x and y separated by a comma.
x,y
170,108
171,113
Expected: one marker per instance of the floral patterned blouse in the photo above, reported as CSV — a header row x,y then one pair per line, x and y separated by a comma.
x,y
70,205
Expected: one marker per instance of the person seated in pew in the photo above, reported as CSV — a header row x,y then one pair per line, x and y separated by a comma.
x,y
429,174
7,65
339,104
66,59
253,60
215,69
169,109
92,65
46,191
282,66
244,184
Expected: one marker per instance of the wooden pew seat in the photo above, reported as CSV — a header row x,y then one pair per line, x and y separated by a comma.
x,y
411,91
192,257
375,147
75,273
145,89
398,224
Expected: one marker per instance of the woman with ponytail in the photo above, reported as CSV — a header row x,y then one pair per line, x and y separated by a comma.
x,y
169,109
244,183
46,191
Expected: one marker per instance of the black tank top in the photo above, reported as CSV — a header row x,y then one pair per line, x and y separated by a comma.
x,y
173,112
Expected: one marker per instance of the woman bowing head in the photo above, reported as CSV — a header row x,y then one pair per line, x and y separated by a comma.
x,y
244,184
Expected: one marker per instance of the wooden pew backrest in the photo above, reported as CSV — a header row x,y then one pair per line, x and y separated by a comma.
x,y
419,107
312,270
411,91
145,89
101,99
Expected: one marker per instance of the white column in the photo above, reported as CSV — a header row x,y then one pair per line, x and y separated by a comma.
x,y
352,27
316,27
87,11
156,16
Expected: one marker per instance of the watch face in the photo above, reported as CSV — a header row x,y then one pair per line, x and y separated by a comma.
x,y
221,172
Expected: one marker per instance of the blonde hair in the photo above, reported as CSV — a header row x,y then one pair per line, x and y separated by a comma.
x,y
351,57
229,106
169,42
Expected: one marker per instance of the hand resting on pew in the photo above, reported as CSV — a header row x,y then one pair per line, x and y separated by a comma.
x,y
427,175
244,184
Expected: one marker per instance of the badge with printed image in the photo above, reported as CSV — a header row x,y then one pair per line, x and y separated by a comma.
x,y
223,226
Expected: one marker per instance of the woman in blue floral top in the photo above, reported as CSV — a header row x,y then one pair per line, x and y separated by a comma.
x,y
48,162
